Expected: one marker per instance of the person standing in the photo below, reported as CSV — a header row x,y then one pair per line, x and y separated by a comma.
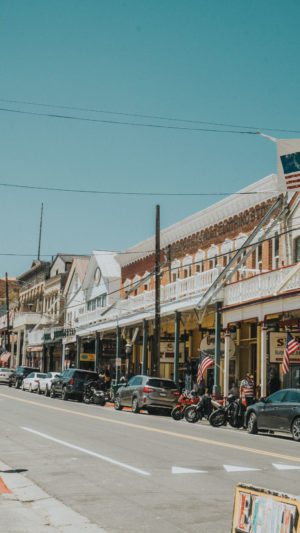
x,y
247,390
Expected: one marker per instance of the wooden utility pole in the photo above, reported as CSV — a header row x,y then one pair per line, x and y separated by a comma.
x,y
156,343
40,234
7,312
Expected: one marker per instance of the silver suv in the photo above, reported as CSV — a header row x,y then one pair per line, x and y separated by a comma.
x,y
145,392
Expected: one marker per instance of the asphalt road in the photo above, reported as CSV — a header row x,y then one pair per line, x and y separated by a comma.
x,y
128,472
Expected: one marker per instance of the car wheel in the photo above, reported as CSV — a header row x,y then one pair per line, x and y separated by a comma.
x,y
39,390
252,423
30,388
9,383
118,405
47,392
52,393
18,384
64,394
135,405
296,429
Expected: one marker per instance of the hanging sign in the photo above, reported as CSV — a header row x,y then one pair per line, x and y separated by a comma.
x,y
207,346
277,346
87,357
167,352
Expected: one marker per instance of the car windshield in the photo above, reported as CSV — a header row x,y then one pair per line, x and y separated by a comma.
x,y
161,383
41,375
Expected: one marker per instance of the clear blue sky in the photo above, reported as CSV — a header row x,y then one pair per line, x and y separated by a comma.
x,y
221,61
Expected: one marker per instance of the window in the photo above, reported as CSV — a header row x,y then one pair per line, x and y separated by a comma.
x,y
293,396
259,257
199,260
275,251
212,254
187,266
276,397
175,269
297,250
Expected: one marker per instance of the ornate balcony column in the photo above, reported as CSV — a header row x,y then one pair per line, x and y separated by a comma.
x,y
263,360
176,354
226,364
145,349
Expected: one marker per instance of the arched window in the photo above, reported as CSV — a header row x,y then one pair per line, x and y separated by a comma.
x,y
257,254
199,260
175,269
136,280
187,266
212,254
127,286
146,281
226,250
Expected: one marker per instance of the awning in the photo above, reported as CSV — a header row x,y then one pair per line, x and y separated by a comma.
x,y
5,357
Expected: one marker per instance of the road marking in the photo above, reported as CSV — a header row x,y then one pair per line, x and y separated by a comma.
x,y
89,452
280,466
3,488
179,470
156,430
233,468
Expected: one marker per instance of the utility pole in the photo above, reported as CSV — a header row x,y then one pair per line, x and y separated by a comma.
x,y
40,234
7,312
156,344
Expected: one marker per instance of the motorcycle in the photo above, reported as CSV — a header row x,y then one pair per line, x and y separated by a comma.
x,y
233,412
184,401
203,409
93,394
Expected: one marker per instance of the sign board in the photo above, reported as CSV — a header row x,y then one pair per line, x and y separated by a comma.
x,y
263,510
277,346
87,357
167,352
207,346
118,361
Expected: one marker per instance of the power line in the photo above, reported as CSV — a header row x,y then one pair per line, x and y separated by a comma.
x,y
141,115
131,193
120,123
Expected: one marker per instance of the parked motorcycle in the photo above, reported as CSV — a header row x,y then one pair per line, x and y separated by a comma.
x,y
93,394
203,409
184,401
233,413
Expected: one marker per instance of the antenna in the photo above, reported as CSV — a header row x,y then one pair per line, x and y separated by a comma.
x,y
40,235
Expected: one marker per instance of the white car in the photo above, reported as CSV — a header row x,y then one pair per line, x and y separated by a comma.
x,y
45,383
32,380
5,373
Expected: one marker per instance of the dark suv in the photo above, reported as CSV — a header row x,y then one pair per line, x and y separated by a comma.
x,y
70,383
150,393
19,374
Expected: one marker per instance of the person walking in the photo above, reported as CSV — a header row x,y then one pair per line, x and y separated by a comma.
x,y
247,390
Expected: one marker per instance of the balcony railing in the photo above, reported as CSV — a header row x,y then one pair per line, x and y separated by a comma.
x,y
29,319
262,285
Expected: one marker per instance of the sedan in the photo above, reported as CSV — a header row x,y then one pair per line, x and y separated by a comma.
x,y
5,374
31,382
279,412
149,393
44,384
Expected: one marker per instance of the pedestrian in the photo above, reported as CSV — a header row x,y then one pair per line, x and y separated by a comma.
x,y
188,380
247,390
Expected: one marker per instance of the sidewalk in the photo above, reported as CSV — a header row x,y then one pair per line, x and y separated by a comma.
x,y
24,508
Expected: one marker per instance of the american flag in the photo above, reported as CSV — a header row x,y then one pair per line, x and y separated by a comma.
x,y
204,363
291,170
291,347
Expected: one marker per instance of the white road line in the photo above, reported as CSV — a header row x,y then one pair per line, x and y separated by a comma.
x,y
89,452
234,468
281,466
180,470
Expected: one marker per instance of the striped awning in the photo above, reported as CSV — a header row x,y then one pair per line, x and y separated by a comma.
x,y
4,357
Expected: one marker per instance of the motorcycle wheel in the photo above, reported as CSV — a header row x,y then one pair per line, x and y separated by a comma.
x,y
86,398
177,413
218,418
191,414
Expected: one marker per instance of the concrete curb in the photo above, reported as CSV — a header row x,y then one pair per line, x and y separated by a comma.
x,y
26,507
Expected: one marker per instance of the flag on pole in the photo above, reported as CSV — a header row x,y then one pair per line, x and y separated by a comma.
x,y
291,347
288,162
204,363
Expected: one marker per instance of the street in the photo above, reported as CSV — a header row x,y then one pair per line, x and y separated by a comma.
x,y
128,472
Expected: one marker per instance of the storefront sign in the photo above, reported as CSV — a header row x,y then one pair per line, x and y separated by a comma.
x,y
118,361
277,346
167,352
68,340
261,510
207,346
34,348
87,357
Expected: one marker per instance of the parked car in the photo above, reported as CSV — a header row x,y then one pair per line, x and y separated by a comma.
x,y
31,381
5,374
70,383
45,383
279,412
149,393
17,376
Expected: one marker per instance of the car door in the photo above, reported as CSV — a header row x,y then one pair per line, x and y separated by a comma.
x,y
288,409
268,412
27,380
126,392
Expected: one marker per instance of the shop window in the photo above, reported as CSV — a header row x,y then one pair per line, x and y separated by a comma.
x,y
253,331
297,250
